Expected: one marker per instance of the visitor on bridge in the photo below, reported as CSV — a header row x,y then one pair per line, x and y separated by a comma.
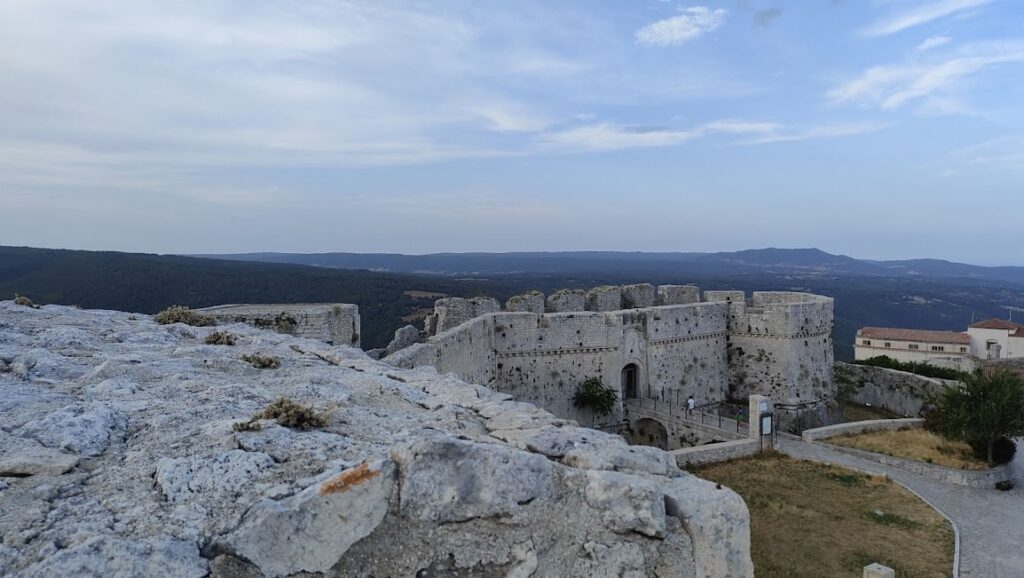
x,y
689,406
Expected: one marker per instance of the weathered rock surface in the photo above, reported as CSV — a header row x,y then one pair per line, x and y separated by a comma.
x,y
404,337
118,458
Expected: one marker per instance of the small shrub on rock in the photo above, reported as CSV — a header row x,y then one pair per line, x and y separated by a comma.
x,y
220,338
24,301
594,395
182,314
260,361
288,414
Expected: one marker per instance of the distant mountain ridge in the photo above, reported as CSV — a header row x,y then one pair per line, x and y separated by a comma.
x,y
752,261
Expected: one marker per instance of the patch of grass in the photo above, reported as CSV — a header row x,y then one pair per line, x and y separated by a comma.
x,y
182,314
288,414
915,444
281,323
260,361
811,520
220,338
887,519
851,480
24,301
856,412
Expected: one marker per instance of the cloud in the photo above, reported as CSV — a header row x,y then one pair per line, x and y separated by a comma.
x,y
608,136
891,87
824,131
1003,152
920,14
767,17
692,23
932,42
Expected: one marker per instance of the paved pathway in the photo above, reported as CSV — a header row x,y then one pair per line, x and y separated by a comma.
x,y
991,522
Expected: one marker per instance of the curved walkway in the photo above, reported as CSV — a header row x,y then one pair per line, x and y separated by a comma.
x,y
991,522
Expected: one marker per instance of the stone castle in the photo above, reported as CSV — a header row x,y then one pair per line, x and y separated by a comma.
x,y
663,343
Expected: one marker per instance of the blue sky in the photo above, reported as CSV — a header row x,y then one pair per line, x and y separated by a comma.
x,y
875,128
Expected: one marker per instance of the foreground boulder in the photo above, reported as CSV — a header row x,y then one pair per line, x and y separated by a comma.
x,y
127,449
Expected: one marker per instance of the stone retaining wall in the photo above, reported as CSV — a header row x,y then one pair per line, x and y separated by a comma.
x,y
859,427
986,479
897,391
717,452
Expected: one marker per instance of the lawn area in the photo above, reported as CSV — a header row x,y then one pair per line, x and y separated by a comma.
x,y
915,444
813,520
856,412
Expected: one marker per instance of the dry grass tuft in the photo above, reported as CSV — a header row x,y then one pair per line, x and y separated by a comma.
x,y
260,361
288,414
812,520
220,338
182,314
915,444
24,301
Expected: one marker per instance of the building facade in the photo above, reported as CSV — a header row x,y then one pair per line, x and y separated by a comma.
x,y
942,348
997,339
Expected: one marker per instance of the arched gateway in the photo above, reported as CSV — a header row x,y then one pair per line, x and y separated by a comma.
x,y
630,381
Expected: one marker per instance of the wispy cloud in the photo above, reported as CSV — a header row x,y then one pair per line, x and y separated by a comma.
x,y
922,13
1003,152
607,136
694,22
933,42
890,87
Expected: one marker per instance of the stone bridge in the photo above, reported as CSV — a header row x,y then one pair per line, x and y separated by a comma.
x,y
670,426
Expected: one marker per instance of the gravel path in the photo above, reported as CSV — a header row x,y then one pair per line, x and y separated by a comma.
x,y
991,523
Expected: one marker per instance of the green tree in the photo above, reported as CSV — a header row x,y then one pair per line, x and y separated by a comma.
x,y
594,395
983,410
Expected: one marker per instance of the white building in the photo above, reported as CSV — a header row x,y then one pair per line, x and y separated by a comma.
x,y
997,339
940,348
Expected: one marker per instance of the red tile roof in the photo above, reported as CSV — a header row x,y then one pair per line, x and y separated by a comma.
x,y
997,324
923,335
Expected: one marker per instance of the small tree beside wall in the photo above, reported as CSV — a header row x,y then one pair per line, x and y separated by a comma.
x,y
595,396
984,412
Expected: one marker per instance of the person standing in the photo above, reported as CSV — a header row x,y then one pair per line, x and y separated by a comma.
x,y
690,404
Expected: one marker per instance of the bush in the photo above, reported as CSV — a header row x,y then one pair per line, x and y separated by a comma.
x,y
220,338
24,301
288,414
182,314
262,361
594,395
924,369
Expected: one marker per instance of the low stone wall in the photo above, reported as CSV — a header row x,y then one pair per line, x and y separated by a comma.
x,y
718,452
985,479
897,391
333,323
859,427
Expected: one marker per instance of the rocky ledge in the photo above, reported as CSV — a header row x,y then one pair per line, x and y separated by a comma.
x,y
119,457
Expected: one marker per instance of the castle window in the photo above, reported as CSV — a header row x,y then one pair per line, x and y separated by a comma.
x,y
866,342
887,344
963,350
913,346
938,348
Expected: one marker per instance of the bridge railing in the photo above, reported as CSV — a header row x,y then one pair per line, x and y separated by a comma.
x,y
718,415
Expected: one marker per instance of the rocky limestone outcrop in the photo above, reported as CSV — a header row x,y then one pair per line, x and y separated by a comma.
x,y
119,457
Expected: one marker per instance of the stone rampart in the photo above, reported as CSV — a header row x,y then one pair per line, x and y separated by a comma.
x,y
777,344
334,323
897,391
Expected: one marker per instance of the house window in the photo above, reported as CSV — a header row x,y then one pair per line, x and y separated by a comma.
x,y
887,344
938,348
866,342
963,350
913,346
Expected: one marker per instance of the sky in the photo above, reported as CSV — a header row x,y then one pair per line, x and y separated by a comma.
x,y
876,128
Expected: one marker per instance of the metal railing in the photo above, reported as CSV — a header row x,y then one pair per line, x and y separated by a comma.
x,y
719,415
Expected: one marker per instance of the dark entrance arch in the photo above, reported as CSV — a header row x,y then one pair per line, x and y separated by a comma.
x,y
630,381
650,432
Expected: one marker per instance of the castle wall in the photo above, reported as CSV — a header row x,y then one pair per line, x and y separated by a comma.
x,y
775,344
781,345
